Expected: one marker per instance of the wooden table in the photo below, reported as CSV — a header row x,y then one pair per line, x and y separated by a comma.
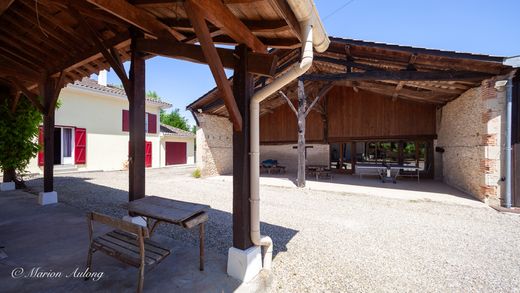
x,y
181,213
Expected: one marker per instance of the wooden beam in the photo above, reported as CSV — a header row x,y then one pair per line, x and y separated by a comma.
x,y
323,91
289,103
137,17
258,63
214,62
217,13
283,8
35,100
58,85
47,87
399,75
4,5
418,96
110,53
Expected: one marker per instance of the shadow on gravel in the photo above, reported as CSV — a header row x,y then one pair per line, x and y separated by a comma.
x,y
87,196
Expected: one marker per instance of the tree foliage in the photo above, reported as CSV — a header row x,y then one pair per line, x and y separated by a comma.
x,y
18,133
153,95
175,119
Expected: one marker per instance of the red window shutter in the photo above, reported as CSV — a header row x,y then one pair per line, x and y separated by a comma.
x,y
126,120
40,142
148,154
152,123
80,146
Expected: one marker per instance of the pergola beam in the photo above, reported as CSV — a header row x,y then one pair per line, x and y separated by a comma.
x,y
4,5
258,63
214,62
137,17
217,13
399,75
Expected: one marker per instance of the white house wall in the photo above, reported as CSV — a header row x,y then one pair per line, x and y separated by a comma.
x,y
190,148
101,116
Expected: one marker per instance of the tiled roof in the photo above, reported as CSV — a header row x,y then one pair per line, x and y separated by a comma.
x,y
174,131
110,89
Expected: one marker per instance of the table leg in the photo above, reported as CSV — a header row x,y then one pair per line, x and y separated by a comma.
x,y
201,246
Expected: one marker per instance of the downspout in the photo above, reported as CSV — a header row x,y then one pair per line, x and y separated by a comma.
x,y
293,73
509,124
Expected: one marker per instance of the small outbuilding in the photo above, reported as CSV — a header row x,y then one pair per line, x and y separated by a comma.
x,y
444,112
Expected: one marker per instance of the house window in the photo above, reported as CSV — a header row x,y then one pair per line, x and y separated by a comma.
x,y
150,122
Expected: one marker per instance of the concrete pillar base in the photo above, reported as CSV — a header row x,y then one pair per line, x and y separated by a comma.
x,y
7,186
244,265
45,198
136,220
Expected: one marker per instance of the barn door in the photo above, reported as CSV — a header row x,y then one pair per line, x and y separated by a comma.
x,y
148,154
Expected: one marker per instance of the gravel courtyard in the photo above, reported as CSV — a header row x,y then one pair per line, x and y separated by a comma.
x,y
334,242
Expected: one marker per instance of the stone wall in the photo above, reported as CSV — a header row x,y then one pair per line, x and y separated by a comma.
x,y
287,156
471,130
214,145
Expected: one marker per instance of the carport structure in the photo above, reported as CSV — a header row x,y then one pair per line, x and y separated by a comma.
x,y
46,44
365,95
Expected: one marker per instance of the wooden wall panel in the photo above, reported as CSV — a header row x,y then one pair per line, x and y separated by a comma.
x,y
368,115
353,116
281,126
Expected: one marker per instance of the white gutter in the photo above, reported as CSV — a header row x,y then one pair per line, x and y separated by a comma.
x,y
308,17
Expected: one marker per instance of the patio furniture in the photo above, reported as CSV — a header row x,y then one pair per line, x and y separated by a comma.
x,y
129,243
409,171
270,166
157,210
374,169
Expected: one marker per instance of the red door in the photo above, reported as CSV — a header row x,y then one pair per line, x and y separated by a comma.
x,y
148,154
175,153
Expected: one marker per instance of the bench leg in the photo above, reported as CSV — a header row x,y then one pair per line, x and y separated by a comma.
x,y
141,279
89,261
201,246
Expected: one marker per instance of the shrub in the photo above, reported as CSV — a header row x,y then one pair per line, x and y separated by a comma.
x,y
196,173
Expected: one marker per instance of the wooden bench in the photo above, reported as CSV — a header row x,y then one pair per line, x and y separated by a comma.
x,y
130,244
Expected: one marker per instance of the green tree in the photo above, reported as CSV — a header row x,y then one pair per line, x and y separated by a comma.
x,y
175,119
153,95
18,136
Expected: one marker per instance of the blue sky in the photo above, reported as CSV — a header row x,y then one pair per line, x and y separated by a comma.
x,y
476,26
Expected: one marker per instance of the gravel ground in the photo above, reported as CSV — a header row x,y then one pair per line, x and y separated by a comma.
x,y
337,242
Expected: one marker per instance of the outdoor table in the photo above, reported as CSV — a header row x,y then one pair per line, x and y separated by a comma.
x,y
184,214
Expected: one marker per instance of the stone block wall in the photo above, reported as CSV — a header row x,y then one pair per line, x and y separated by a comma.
x,y
214,145
288,156
471,129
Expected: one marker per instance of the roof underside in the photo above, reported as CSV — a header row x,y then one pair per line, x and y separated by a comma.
x,y
353,56
45,37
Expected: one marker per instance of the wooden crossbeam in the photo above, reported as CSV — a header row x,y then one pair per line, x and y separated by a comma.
x,y
283,8
423,96
30,95
215,64
137,17
217,13
258,63
4,5
110,53
400,75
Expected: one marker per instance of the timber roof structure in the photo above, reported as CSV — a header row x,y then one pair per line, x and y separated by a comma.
x,y
400,72
47,37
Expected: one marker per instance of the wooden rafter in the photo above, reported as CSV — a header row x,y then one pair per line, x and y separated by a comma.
x,y
401,83
218,14
283,8
109,52
258,63
399,75
214,62
137,17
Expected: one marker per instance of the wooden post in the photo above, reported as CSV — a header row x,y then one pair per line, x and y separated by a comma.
x,y
136,166
243,91
302,107
49,90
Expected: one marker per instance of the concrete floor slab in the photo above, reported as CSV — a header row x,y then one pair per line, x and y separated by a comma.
x,y
53,239
407,189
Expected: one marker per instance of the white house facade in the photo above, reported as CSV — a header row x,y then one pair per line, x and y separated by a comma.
x,y
92,132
